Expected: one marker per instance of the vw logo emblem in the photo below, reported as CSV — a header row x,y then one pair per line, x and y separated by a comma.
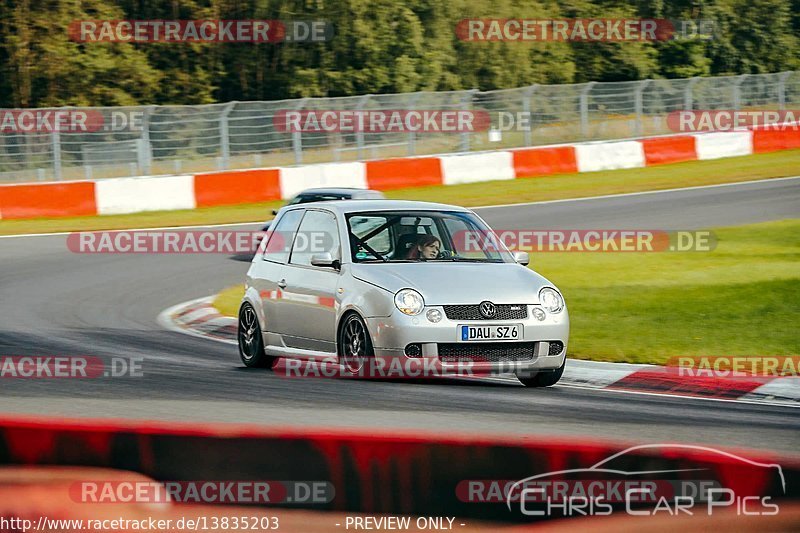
x,y
487,309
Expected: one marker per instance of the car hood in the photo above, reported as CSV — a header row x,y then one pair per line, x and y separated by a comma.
x,y
456,283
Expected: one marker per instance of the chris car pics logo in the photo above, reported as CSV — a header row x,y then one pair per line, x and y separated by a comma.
x,y
679,480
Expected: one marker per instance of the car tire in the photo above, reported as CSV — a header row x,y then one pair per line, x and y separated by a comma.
x,y
354,344
251,344
543,379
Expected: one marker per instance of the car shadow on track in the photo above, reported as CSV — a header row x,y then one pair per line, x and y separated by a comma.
x,y
442,381
244,258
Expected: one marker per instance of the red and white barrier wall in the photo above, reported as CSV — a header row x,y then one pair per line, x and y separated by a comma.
x,y
133,195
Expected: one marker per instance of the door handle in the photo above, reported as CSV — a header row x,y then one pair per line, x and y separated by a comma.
x,y
282,284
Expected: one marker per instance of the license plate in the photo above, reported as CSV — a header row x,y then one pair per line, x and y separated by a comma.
x,y
506,332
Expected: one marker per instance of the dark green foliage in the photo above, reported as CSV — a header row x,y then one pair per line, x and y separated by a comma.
x,y
381,46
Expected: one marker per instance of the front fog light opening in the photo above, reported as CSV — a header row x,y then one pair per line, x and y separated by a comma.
x,y
433,315
538,313
555,347
413,350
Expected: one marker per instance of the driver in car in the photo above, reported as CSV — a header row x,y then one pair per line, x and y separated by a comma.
x,y
426,247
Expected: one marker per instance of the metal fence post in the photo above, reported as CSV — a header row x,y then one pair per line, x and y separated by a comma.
x,y
224,135
584,108
362,101
526,109
688,94
145,152
297,136
638,105
56,138
412,136
142,163
467,104
737,91
782,77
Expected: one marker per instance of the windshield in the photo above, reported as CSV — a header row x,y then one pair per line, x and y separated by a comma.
x,y
417,236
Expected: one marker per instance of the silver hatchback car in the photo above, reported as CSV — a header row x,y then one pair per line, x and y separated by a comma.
x,y
358,281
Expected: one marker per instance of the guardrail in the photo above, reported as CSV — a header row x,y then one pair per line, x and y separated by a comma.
x,y
151,140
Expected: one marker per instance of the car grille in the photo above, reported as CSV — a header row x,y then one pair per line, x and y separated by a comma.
x,y
486,352
472,312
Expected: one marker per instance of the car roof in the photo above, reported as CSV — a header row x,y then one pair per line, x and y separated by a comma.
x,y
356,206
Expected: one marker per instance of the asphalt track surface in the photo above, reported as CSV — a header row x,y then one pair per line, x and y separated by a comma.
x,y
55,302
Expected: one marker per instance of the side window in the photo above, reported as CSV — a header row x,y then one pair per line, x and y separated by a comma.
x,y
281,235
360,226
318,234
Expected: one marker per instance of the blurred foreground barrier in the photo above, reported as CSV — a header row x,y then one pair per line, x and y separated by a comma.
x,y
400,473
189,191
39,498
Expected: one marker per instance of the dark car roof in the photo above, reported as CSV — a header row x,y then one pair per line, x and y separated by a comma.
x,y
355,206
350,192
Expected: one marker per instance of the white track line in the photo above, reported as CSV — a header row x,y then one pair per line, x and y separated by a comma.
x,y
640,193
498,206
232,224
682,396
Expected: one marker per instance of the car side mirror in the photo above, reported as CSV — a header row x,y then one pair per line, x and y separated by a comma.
x,y
522,258
274,211
325,260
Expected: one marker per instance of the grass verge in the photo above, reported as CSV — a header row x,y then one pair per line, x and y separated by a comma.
x,y
228,301
743,298
693,173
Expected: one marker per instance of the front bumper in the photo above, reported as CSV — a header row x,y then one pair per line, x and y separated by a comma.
x,y
390,336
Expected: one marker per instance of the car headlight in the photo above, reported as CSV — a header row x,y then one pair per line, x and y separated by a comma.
x,y
409,302
551,300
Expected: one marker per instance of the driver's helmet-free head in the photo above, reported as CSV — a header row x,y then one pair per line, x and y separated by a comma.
x,y
423,242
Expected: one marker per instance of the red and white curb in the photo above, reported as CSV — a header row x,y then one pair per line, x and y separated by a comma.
x,y
200,319
655,379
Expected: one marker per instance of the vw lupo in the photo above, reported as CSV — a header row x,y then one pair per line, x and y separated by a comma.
x,y
356,281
